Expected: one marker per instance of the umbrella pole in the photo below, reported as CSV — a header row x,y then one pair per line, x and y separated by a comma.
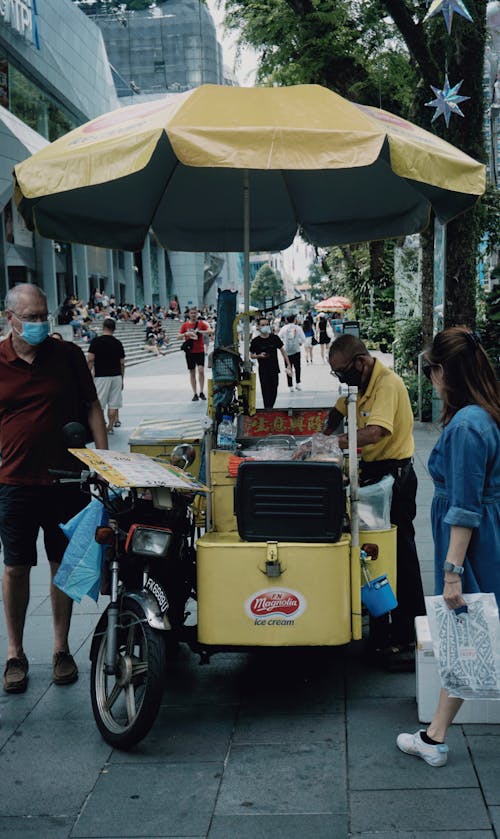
x,y
246,269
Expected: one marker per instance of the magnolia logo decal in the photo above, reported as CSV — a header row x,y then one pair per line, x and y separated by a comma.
x,y
275,607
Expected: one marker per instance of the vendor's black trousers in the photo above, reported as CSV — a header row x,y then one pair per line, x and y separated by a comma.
x,y
400,630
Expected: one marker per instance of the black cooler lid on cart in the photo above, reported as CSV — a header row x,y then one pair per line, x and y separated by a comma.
x,y
289,501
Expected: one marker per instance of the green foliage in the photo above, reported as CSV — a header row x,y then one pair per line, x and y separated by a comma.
x,y
409,344
318,282
379,330
491,328
348,47
267,284
410,379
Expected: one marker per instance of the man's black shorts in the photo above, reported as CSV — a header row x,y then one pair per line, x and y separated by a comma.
x,y
26,509
195,359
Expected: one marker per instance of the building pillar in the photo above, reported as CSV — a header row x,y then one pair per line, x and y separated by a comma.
x,y
187,277
146,273
82,272
162,277
109,286
46,265
130,278
4,278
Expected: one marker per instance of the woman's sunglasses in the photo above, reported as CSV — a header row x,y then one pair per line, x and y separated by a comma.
x,y
427,368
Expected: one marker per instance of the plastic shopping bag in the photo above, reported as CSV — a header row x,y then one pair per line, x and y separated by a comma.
x,y
467,646
374,504
80,570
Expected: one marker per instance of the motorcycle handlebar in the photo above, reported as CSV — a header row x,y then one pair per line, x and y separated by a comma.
x,y
65,473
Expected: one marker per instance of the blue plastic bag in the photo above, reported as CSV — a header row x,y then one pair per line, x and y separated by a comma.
x,y
80,570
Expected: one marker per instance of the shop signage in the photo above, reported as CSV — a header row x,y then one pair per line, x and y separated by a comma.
x,y
300,422
21,16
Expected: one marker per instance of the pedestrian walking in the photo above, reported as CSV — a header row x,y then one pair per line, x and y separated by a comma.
x,y
323,336
264,347
194,330
293,337
106,361
465,515
310,338
43,384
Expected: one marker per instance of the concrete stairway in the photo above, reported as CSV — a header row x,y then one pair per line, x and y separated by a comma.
x,y
132,337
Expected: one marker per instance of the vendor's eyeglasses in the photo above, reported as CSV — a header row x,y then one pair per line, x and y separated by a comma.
x,y
344,370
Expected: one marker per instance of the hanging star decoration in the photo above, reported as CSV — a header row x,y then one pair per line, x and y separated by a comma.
x,y
448,7
447,101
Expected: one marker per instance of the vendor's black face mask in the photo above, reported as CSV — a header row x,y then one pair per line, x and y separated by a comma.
x,y
352,378
349,375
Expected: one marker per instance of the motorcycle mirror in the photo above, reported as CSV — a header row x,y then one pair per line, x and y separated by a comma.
x,y
74,435
182,455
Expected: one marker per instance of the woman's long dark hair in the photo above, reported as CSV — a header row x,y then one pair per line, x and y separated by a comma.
x,y
469,376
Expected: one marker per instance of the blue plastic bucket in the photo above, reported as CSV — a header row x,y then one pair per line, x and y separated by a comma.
x,y
378,596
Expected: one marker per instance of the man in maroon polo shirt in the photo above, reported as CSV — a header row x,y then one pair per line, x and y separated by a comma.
x,y
42,384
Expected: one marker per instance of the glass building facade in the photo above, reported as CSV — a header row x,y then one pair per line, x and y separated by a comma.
x,y
169,47
54,75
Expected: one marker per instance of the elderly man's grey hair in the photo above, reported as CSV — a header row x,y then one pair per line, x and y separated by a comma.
x,y
13,294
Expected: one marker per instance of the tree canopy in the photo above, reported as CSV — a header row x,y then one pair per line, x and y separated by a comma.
x,y
381,52
266,286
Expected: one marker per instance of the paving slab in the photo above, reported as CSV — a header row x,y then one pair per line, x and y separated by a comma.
x,y
184,735
376,763
495,818
278,729
35,827
65,702
321,826
50,768
294,680
485,753
400,810
141,801
425,834
270,779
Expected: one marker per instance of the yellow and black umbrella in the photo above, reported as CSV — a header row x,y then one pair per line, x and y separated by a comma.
x,y
238,169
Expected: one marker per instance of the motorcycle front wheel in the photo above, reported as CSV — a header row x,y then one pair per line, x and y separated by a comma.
x,y
125,704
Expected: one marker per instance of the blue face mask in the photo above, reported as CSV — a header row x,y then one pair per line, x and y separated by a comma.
x,y
265,330
34,333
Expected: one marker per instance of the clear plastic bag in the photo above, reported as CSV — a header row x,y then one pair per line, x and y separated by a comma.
x,y
326,447
320,447
467,645
374,505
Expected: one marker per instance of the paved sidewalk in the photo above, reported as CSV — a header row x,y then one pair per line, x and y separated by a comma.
x,y
279,743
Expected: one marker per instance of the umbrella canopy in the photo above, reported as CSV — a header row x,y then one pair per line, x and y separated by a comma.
x,y
182,164
333,304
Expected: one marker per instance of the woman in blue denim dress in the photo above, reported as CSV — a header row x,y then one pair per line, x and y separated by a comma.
x,y
465,468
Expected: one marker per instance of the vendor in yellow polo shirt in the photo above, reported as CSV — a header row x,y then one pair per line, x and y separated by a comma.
x,y
385,437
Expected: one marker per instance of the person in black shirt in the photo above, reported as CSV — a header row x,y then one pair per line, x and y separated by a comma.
x,y
264,347
106,361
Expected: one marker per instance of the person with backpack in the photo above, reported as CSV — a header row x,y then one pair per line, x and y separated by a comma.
x,y
293,337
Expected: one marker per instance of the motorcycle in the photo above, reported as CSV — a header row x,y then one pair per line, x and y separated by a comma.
x,y
149,573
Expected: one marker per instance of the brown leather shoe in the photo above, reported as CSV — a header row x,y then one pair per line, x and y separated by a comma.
x,y
64,669
15,675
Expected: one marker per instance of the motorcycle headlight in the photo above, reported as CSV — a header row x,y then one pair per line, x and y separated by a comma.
x,y
148,541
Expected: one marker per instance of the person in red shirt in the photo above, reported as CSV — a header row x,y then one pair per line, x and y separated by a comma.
x,y
195,329
43,383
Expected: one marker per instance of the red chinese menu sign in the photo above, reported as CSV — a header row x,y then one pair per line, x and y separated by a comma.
x,y
300,422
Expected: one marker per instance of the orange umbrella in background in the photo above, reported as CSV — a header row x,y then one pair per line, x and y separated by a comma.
x,y
334,304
